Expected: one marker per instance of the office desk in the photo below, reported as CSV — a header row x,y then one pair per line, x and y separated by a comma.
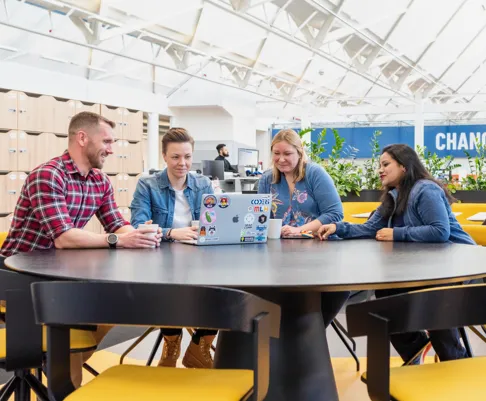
x,y
239,182
289,272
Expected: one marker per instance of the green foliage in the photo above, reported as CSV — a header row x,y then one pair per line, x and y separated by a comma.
x,y
341,166
438,167
371,166
314,149
476,181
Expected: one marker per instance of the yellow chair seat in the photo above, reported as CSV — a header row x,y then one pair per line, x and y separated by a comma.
x,y
444,381
81,340
477,232
129,382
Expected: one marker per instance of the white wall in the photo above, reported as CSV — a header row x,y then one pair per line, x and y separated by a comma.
x,y
29,79
263,141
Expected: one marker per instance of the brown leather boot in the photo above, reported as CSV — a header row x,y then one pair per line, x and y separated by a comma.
x,y
171,351
199,355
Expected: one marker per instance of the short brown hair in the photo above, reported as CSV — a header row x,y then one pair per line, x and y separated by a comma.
x,y
176,135
292,138
87,120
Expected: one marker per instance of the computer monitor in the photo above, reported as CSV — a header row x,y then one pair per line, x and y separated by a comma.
x,y
247,157
213,169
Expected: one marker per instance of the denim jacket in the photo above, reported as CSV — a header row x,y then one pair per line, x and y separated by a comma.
x,y
427,218
154,199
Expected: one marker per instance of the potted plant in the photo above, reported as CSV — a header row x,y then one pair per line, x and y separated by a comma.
x,y
474,185
371,180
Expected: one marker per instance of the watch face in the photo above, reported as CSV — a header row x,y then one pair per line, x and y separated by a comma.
x,y
112,239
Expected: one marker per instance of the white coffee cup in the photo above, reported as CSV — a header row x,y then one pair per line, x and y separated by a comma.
x,y
274,228
195,223
152,227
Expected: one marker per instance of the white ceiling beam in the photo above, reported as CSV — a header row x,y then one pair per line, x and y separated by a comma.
x,y
327,26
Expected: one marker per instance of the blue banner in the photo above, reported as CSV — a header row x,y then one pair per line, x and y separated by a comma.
x,y
454,139
443,140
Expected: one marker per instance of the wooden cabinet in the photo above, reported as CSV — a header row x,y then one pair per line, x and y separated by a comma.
x,y
36,114
124,187
93,107
8,151
11,185
5,223
132,160
8,110
94,225
63,112
125,212
115,115
44,147
114,163
129,125
132,125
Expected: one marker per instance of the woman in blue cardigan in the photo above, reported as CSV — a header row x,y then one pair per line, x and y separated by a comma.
x,y
304,197
415,208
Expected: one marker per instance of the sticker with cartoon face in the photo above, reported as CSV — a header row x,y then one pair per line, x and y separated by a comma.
x,y
202,231
209,216
262,219
210,201
224,202
211,230
249,218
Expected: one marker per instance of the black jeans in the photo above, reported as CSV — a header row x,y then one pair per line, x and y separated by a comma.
x,y
331,304
446,343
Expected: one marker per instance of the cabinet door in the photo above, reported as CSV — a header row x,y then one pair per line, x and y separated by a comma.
x,y
122,189
8,110
8,151
133,125
36,113
115,115
133,161
113,163
125,212
5,223
132,185
93,225
26,145
14,181
94,108
3,194
63,112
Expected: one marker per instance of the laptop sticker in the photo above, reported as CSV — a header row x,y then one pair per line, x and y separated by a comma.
x,y
224,202
210,201
209,216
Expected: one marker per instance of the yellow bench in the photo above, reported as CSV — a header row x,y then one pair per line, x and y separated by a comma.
x,y
477,232
468,210
351,208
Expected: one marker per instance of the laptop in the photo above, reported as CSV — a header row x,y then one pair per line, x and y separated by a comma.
x,y
232,218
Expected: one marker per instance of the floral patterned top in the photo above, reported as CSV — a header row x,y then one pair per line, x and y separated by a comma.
x,y
314,197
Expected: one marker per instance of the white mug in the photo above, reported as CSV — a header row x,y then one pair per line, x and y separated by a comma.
x,y
152,227
274,228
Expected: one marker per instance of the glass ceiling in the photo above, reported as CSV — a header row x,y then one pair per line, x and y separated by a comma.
x,y
313,53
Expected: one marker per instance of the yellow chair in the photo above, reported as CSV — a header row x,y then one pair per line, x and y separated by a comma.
x,y
477,232
352,208
60,305
3,236
468,210
431,309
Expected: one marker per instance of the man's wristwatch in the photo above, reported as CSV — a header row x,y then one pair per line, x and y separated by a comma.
x,y
112,240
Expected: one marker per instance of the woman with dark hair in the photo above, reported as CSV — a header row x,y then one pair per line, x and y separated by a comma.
x,y
415,207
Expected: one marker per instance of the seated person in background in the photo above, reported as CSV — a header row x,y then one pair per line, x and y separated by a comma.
x,y
304,197
223,153
415,207
172,199
60,196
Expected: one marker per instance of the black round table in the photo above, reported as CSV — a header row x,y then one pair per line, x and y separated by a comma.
x,y
289,272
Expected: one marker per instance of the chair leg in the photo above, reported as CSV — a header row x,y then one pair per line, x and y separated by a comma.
x,y
37,387
8,388
155,348
22,391
465,339
345,332
351,351
90,369
135,343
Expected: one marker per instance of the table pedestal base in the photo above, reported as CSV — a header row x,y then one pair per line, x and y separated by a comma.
x,y
300,365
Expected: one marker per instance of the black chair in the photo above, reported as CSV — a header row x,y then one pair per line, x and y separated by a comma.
x,y
61,305
431,309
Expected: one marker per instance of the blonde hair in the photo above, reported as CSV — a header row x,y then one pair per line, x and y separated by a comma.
x,y
292,138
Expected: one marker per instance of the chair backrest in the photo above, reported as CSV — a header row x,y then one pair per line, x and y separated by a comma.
x,y
88,303
477,232
3,236
24,336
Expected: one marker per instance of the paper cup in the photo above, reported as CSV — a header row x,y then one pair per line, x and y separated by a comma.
x,y
274,228
195,223
152,227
